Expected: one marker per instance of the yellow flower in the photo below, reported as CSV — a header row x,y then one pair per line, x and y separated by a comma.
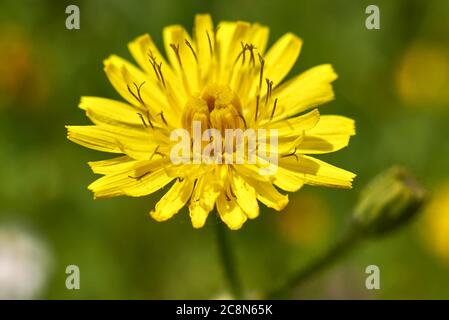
x,y
435,224
307,221
224,79
422,77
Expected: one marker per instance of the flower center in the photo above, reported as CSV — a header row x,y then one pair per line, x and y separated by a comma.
x,y
216,107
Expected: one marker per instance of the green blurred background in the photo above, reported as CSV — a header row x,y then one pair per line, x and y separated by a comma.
x,y
393,81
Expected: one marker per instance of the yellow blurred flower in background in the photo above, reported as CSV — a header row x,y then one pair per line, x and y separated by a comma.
x,y
435,226
22,77
224,79
422,78
306,221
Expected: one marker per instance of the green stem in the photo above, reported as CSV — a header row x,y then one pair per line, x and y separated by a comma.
x,y
336,251
227,259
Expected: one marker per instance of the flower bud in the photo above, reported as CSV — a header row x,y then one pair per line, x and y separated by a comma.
x,y
390,200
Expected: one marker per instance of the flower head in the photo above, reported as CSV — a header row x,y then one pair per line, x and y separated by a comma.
x,y
223,79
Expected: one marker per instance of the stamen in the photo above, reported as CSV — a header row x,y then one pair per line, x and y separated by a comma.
x,y
243,119
156,152
143,120
262,64
153,62
141,176
148,119
257,107
215,39
274,108
192,200
211,50
138,90
176,50
120,145
137,96
246,47
251,48
232,192
269,90
191,49
159,69
241,54
291,154
216,44
163,118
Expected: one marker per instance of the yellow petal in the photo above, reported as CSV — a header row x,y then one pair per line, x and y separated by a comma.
x,y
107,111
230,36
258,36
148,184
281,57
288,180
173,200
294,126
230,212
244,71
140,90
308,90
332,133
143,51
123,120
330,125
94,137
128,183
114,165
141,48
266,193
245,195
317,172
251,170
122,73
207,189
139,146
319,145
204,29
181,57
